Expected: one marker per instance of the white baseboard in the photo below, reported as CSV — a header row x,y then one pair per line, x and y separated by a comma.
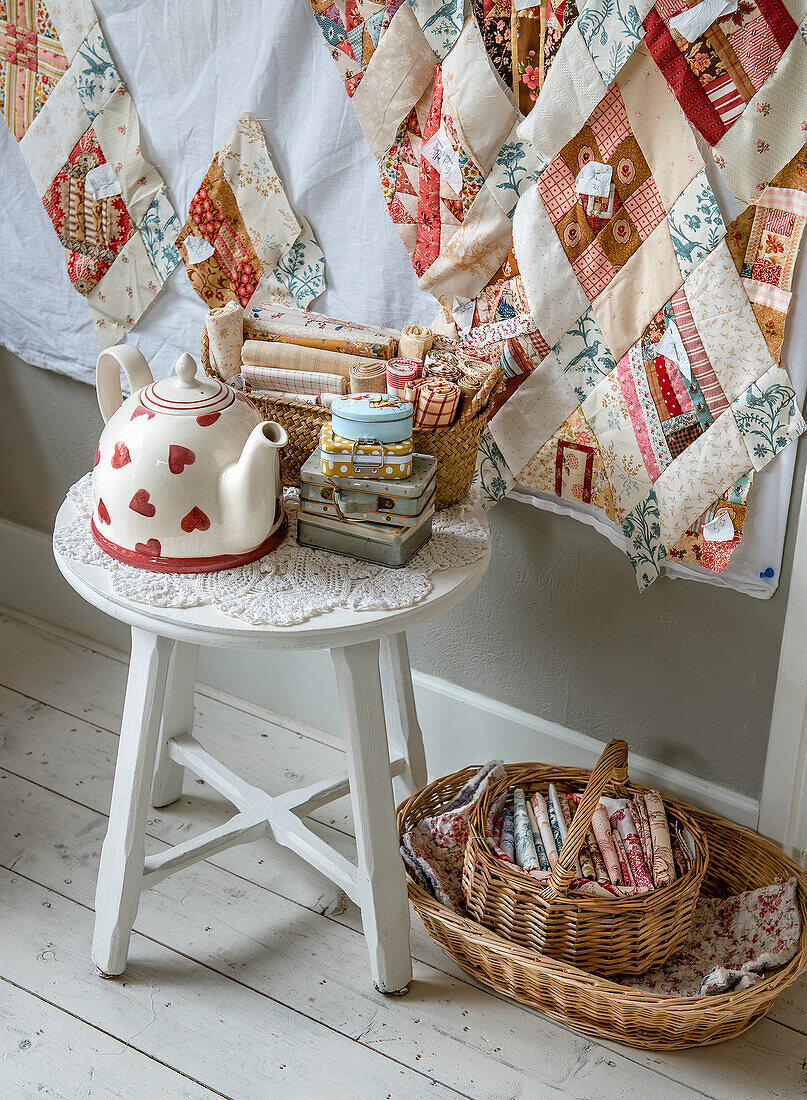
x,y
459,726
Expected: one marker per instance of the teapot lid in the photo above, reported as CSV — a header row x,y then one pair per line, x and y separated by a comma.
x,y
183,392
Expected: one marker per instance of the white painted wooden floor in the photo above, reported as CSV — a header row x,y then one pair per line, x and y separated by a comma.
x,y
248,974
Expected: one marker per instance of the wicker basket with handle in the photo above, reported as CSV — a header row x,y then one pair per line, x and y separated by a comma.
x,y
454,447
611,935
739,860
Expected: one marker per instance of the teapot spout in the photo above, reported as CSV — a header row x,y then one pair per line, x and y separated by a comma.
x,y
252,484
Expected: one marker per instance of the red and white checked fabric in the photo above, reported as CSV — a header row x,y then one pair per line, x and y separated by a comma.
x,y
764,294
293,381
645,208
594,270
610,122
698,359
556,184
435,402
784,198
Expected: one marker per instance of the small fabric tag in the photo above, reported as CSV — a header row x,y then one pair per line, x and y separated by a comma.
x,y
198,249
594,179
720,529
464,313
599,207
442,155
671,346
692,22
102,182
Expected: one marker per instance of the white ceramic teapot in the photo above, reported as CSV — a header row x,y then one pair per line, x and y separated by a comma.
x,y
187,474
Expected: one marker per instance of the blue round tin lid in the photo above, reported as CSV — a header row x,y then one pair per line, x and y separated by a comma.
x,y
372,408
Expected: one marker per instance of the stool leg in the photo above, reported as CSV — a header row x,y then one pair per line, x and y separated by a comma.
x,y
384,905
177,719
121,869
403,728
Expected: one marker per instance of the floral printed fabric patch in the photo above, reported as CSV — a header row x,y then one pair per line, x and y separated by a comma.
x,y
79,133
242,236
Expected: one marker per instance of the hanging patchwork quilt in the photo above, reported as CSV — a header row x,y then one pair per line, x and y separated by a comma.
x,y
242,236
79,133
542,163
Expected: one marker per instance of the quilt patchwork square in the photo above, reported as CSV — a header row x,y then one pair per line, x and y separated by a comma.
x,y
32,62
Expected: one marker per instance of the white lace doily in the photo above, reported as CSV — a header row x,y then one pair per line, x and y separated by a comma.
x,y
292,583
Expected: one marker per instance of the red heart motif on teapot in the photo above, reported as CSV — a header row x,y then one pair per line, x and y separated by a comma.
x,y
195,520
152,548
179,457
141,411
140,503
103,514
121,456
97,458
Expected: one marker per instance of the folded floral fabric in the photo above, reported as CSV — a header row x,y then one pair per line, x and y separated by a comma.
x,y
568,807
508,838
557,815
368,376
526,856
623,823
643,824
436,845
435,402
225,333
663,863
242,236
541,812
313,330
540,851
732,944
601,827
626,878
600,872
298,381
266,353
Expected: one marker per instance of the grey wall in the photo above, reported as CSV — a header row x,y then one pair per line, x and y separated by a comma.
x,y
685,672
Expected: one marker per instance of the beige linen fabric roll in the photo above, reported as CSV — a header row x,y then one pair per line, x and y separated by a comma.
x,y
415,341
225,333
268,353
368,376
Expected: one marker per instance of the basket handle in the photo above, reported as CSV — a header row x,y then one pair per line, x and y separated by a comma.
x,y
612,763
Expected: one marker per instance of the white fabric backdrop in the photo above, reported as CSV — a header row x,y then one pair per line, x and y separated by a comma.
x,y
193,67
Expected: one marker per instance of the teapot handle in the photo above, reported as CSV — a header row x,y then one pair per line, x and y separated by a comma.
x,y
107,376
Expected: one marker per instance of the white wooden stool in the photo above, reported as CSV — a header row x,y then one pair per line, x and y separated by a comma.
x,y
379,720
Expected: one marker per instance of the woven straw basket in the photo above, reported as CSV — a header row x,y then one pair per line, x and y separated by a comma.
x,y
738,860
610,935
454,447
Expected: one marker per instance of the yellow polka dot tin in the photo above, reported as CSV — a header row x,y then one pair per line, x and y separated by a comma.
x,y
364,458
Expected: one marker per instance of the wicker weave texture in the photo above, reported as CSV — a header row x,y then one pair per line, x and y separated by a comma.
x,y
454,447
610,935
739,860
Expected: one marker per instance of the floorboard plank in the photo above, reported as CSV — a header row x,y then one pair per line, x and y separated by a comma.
x,y
187,1016
45,1051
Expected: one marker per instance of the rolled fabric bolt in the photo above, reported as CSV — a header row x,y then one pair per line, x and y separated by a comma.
x,y
314,330
622,856
600,873
663,861
323,399
554,823
623,822
526,856
268,353
435,402
368,376
556,810
643,822
443,364
225,334
415,341
541,812
293,381
601,827
583,859
543,859
507,842
497,830
401,372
